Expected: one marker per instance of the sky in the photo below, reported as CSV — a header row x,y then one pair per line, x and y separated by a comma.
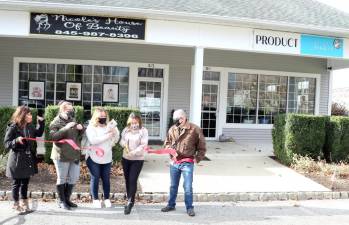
x,y
340,77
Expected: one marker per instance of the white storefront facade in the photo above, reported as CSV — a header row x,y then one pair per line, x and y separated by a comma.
x,y
231,79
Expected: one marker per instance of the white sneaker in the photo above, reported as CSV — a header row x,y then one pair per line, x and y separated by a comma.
x,y
97,204
107,203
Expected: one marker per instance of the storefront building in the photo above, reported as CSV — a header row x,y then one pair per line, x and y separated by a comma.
x,y
231,74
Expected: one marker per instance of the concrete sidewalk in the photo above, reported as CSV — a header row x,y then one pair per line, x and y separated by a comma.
x,y
234,167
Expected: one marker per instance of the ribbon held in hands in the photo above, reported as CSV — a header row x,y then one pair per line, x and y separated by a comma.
x,y
99,151
170,151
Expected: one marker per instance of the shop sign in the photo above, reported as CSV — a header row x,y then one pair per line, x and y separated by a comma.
x,y
87,26
321,46
272,41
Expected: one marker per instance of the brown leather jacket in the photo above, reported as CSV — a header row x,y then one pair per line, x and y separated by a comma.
x,y
189,143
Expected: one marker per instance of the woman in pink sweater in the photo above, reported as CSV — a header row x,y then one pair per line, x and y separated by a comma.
x,y
133,139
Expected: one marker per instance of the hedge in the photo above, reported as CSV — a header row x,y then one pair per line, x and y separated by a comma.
x,y
279,135
337,139
119,114
51,112
5,116
299,134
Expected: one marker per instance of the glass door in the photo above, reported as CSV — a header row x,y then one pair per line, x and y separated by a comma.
x,y
150,99
209,109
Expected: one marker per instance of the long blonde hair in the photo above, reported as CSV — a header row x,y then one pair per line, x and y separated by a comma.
x,y
94,119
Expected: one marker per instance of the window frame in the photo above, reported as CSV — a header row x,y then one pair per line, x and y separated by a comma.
x,y
224,88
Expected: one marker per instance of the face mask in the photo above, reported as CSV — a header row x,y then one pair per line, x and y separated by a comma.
x,y
71,114
176,122
102,120
134,126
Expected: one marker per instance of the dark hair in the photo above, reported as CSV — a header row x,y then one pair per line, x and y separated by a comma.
x,y
18,117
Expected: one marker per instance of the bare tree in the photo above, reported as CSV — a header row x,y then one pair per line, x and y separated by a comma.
x,y
338,109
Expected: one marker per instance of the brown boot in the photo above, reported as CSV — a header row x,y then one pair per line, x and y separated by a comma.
x,y
17,207
25,205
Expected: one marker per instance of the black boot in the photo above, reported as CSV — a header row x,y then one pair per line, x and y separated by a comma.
x,y
67,192
61,197
128,207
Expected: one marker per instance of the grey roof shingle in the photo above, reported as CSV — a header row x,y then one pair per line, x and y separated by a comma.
x,y
298,12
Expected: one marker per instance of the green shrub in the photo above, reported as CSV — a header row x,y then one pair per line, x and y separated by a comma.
x,y
3,163
337,139
5,116
51,112
119,114
304,135
278,137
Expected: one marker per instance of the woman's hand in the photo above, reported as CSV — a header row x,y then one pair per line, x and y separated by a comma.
x,y
70,125
20,140
39,118
79,127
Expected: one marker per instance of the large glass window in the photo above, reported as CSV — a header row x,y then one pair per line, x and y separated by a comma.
x,y
257,98
242,98
272,97
52,79
301,98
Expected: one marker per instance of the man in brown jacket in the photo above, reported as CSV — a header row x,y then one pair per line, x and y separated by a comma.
x,y
189,142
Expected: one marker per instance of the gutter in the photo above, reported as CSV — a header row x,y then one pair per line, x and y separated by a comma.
x,y
94,10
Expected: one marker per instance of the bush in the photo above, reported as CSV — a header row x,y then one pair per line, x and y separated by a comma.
x,y
5,116
299,134
278,135
119,114
3,163
338,109
337,139
51,112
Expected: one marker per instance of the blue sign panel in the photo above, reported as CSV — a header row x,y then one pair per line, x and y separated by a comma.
x,y
321,46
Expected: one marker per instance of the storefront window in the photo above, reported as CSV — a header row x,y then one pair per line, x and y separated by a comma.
x,y
301,98
272,97
242,98
42,84
256,99
110,75
41,77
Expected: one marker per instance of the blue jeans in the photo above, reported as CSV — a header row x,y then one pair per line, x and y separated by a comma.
x,y
99,171
67,172
187,170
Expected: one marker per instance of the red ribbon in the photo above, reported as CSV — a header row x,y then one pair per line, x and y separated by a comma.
x,y
170,151
99,151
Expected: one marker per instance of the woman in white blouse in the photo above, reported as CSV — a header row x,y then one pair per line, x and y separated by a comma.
x,y
99,135
133,139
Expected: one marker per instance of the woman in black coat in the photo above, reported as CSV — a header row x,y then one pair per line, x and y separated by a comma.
x,y
22,161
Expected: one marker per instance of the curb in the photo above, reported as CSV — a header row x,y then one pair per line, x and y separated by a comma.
x,y
201,197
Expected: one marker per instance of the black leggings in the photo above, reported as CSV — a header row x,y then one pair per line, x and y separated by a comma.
x,y
132,169
20,184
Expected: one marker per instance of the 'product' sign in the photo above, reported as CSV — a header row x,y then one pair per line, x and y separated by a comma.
x,y
281,42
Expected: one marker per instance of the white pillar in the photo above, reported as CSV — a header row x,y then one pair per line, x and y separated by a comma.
x,y
196,87
330,86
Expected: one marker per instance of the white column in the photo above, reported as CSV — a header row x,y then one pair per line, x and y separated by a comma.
x,y
330,86
196,86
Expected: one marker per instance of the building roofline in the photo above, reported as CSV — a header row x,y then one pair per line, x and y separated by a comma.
x,y
177,16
